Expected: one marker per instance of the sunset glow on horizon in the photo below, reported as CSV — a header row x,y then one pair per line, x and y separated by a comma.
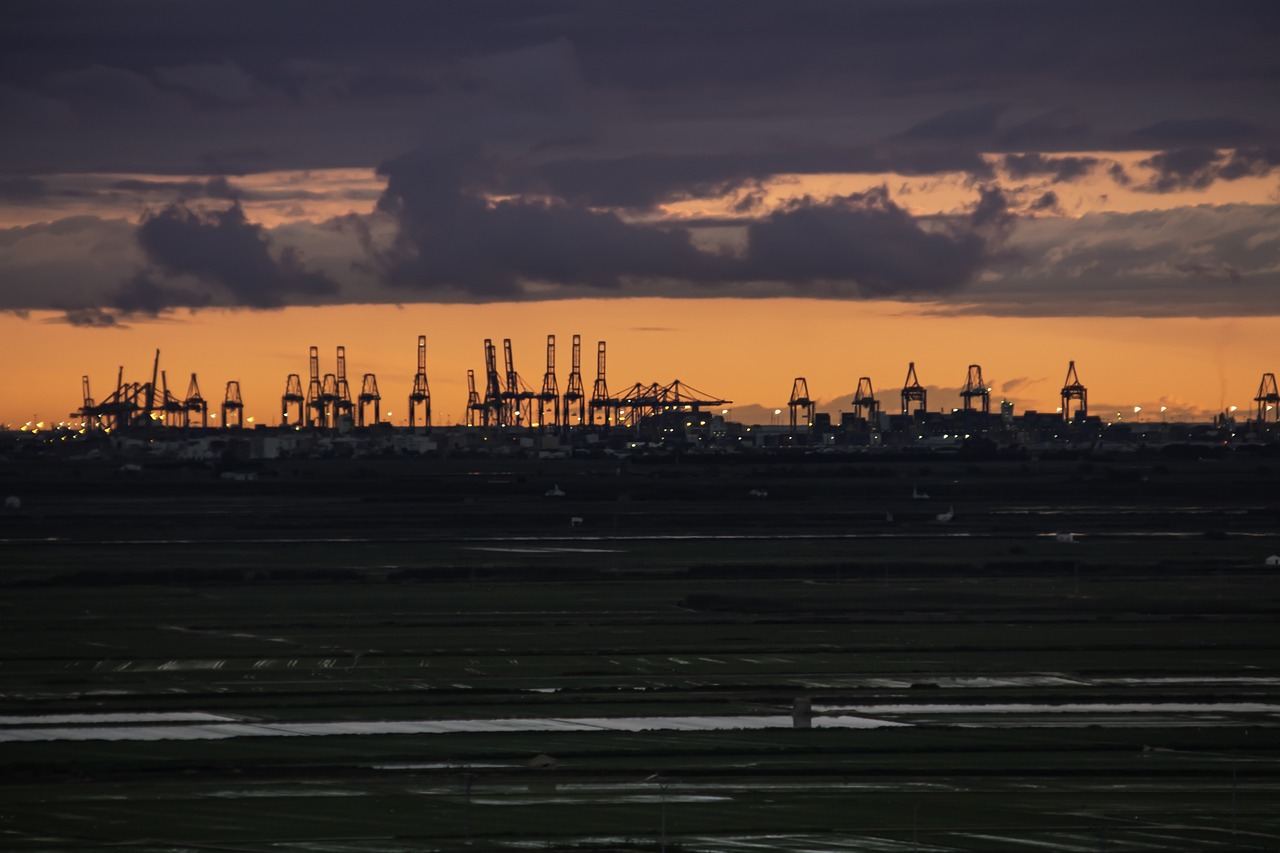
x,y
825,209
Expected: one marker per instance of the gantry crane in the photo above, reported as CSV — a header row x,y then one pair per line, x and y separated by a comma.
x,y
369,394
420,396
800,401
232,402
316,407
676,403
575,392
550,393
343,406
195,402
517,398
172,410
865,404
89,411
328,406
975,386
913,392
492,415
1268,400
1073,389
292,396
474,405
600,391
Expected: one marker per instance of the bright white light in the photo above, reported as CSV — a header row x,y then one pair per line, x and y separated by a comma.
x,y
1137,409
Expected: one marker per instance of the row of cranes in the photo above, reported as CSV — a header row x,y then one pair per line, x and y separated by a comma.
x,y
147,404
975,396
508,401
327,402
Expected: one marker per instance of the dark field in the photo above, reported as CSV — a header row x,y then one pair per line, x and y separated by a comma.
x,y
369,655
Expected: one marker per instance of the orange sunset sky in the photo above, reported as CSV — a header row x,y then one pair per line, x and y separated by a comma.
x,y
822,190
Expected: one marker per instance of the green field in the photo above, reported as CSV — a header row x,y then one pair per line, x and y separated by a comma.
x,y
426,655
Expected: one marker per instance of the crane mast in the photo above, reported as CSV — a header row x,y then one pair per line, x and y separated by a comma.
x,y
492,415
600,390
315,391
574,391
342,402
420,396
550,393
473,399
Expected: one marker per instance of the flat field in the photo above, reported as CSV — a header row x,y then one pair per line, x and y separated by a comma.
x,y
421,655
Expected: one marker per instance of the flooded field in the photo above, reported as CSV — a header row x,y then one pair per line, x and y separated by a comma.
x,y
416,659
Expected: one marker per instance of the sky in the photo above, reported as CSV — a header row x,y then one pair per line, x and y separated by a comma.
x,y
732,194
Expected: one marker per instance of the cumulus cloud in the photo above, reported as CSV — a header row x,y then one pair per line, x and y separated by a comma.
x,y
866,245
454,236
460,232
224,249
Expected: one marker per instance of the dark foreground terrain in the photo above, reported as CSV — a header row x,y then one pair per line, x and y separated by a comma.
x,y
367,655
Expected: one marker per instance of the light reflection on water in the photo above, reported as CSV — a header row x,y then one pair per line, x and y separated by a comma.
x,y
221,731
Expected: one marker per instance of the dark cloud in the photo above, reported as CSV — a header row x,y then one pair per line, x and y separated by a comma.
x,y
867,241
215,188
1202,131
1198,168
142,294
225,249
646,180
1052,131
458,234
1250,162
309,86
1221,271
21,189
453,237
964,123
91,318
1046,202
1058,169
